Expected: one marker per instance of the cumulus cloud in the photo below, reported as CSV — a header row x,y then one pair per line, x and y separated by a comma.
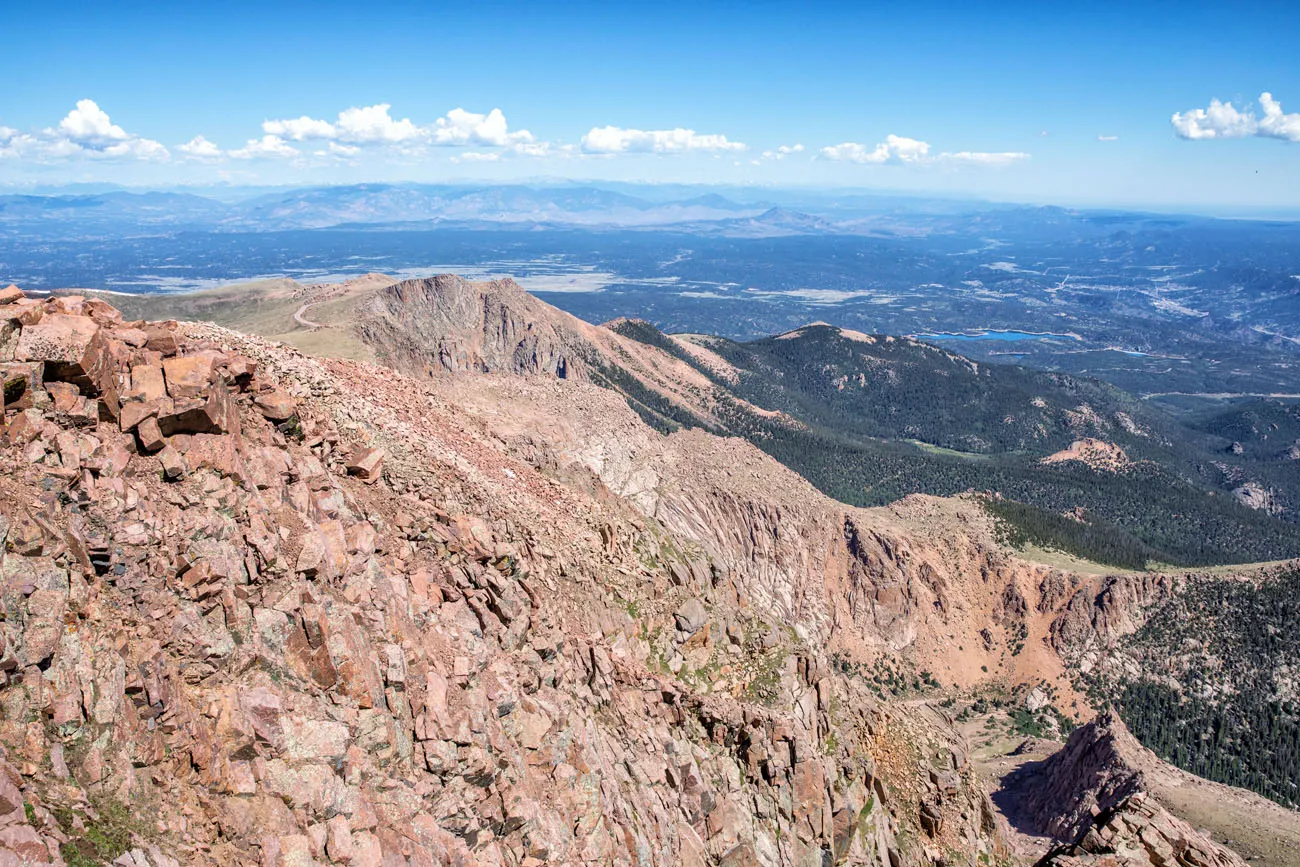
x,y
461,127
1223,120
616,140
374,125
900,150
8,142
90,124
371,124
477,157
199,148
1275,124
894,148
1220,120
299,129
87,131
267,147
780,153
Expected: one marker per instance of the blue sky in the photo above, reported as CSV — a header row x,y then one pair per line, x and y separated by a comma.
x,y
1070,103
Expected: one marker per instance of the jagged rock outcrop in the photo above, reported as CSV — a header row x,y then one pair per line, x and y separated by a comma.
x,y
1253,495
1093,795
449,323
1095,453
264,608
1098,614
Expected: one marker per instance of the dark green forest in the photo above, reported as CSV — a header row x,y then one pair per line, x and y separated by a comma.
x,y
1221,665
886,417
1084,536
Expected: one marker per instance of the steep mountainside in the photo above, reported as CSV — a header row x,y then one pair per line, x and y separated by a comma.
x,y
441,323
867,419
465,610
263,608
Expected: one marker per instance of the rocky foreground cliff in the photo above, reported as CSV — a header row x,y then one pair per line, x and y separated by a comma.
x,y
268,608
261,608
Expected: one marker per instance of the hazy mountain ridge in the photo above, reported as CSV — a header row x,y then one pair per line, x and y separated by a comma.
x,y
685,208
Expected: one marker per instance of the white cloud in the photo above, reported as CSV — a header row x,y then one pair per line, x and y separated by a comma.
x,y
461,127
1223,120
136,148
342,150
1276,124
977,158
780,153
371,124
1107,138
9,142
86,131
616,140
89,124
299,129
1220,120
199,148
894,148
852,152
900,150
477,157
268,146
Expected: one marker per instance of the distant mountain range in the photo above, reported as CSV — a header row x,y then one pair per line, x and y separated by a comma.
x,y
366,204
732,212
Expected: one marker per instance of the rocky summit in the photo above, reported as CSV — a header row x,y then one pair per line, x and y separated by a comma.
x,y
262,607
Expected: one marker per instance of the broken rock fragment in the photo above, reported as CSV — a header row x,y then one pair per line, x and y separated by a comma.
x,y
173,464
150,437
187,376
276,405
60,341
160,339
147,383
367,463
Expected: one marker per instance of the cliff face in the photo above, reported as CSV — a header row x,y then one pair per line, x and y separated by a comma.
x,y
448,323
1093,795
262,608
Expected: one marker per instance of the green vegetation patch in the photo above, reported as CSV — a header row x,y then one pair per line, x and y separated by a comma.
x,y
1218,696
1090,538
110,826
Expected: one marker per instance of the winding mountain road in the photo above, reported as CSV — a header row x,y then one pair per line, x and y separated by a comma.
x,y
303,320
